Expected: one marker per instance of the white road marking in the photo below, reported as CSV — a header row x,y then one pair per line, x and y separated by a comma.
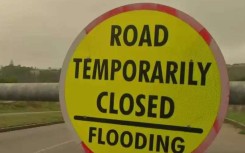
x,y
54,146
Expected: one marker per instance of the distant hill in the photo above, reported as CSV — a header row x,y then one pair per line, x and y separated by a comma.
x,y
236,72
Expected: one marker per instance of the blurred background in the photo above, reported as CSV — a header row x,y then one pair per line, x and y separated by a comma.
x,y
35,36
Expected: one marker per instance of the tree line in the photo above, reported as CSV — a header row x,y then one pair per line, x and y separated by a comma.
x,y
22,74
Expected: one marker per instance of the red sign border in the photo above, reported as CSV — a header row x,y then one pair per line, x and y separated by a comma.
x,y
187,19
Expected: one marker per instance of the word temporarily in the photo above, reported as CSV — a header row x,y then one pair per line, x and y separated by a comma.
x,y
137,140
168,72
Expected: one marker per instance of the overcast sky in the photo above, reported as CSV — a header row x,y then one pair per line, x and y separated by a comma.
x,y
39,33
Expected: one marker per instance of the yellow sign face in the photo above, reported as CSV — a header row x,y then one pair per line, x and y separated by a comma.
x,y
144,79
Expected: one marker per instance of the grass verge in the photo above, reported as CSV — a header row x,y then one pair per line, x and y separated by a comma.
x,y
52,117
32,106
237,116
10,120
242,132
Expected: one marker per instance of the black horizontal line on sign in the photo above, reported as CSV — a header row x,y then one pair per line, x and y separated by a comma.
x,y
139,124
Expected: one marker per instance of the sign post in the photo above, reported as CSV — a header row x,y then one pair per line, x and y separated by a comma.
x,y
144,78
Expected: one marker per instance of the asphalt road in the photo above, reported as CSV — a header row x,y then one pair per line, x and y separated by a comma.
x,y
58,139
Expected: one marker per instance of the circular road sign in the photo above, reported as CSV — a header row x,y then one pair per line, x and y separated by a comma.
x,y
144,78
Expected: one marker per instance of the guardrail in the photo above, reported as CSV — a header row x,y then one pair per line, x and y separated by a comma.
x,y
237,92
29,91
50,91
